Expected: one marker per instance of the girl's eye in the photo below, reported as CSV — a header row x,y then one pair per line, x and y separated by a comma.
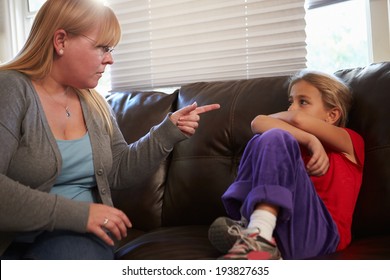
x,y
303,102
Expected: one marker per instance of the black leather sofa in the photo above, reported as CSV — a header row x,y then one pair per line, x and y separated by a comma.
x,y
173,208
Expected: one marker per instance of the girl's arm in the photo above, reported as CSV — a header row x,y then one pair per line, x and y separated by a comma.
x,y
300,124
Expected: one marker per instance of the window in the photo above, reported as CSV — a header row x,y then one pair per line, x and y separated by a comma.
x,y
171,42
337,36
157,38
34,5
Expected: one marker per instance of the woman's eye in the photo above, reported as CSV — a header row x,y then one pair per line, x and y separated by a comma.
x,y
106,49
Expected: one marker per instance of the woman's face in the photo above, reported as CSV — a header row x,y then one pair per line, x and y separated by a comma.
x,y
307,98
84,63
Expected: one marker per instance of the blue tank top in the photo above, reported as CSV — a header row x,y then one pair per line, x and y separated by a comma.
x,y
77,176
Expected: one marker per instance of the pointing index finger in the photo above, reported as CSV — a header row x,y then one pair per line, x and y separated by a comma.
x,y
206,108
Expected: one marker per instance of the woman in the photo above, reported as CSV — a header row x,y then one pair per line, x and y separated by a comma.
x,y
298,179
61,149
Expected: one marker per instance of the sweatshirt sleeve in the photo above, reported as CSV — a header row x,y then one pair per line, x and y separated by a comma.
x,y
133,163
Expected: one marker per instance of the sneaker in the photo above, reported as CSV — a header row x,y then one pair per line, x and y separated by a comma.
x,y
219,233
251,246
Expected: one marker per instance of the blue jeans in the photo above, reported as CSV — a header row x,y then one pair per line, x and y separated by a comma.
x,y
61,245
272,170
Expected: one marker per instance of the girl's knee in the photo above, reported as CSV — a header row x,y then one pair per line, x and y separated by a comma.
x,y
276,140
276,135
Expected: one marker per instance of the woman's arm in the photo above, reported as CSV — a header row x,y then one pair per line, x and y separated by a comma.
x,y
135,162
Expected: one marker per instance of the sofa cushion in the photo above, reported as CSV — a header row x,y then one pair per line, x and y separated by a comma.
x,y
171,243
370,248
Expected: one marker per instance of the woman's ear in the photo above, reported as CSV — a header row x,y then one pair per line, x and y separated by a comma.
x,y
59,41
333,116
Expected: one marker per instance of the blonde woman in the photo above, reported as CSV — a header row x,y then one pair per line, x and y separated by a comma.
x,y
298,179
61,149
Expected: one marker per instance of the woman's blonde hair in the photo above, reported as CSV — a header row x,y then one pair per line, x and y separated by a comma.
x,y
334,93
76,17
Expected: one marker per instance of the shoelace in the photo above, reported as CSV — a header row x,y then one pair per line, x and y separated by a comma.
x,y
235,230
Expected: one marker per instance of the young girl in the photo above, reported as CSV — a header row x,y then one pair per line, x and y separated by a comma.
x,y
298,180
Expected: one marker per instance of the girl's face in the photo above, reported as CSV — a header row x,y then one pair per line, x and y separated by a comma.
x,y
307,98
84,62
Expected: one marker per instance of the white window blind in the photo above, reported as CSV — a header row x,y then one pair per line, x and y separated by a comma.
x,y
173,42
311,4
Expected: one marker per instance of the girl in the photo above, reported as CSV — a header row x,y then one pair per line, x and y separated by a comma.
x,y
298,179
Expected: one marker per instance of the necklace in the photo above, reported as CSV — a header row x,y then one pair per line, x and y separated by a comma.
x,y
66,107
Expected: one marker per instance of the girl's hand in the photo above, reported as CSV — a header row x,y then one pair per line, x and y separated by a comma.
x,y
103,218
187,118
319,162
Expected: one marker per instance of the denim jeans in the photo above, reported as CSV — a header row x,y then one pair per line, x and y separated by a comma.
x,y
61,245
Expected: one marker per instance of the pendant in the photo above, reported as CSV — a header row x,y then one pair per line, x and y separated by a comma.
x,y
67,112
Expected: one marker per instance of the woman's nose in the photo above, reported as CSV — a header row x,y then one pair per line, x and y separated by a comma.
x,y
108,59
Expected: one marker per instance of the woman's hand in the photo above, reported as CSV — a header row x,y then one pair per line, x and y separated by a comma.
x,y
187,118
103,218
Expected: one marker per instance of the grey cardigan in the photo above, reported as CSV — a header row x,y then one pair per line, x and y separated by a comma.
x,y
30,162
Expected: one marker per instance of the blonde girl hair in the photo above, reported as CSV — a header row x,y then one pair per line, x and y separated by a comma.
x,y
334,93
76,17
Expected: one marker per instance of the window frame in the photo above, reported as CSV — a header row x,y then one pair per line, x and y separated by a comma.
x,y
16,27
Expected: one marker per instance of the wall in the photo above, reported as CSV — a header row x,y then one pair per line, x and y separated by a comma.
x,y
380,29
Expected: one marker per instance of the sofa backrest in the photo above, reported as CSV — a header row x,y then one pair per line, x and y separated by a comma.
x,y
204,166
370,116
136,113
187,187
